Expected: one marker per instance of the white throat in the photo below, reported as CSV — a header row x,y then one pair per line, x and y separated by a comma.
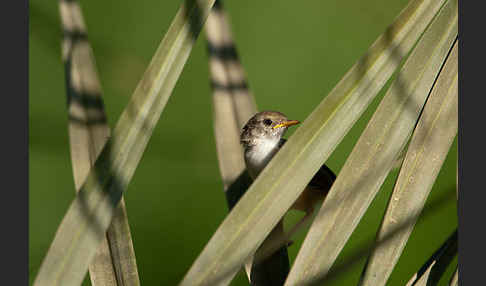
x,y
258,156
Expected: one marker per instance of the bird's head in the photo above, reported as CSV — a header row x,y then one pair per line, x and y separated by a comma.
x,y
264,126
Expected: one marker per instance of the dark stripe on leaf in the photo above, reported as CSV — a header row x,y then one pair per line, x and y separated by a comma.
x,y
229,87
87,122
75,36
225,52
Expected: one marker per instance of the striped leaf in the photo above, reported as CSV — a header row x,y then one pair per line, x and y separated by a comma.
x,y
83,227
233,105
114,263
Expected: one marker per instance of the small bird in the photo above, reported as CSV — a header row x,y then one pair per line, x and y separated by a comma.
x,y
261,139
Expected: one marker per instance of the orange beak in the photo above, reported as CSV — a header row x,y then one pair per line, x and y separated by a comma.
x,y
287,123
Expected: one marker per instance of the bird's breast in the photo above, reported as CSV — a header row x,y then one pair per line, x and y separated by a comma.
x,y
257,157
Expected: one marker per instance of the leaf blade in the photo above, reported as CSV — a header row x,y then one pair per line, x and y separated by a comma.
x,y
428,149
373,155
233,105
114,263
90,213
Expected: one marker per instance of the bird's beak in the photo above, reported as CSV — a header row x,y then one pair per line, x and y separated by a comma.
x,y
287,123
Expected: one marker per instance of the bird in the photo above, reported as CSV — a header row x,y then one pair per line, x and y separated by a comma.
x,y
261,138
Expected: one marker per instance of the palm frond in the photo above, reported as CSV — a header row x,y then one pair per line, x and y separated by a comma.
x,y
277,187
233,105
114,262
375,152
428,149
89,215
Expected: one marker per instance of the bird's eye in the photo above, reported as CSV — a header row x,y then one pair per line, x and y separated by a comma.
x,y
267,122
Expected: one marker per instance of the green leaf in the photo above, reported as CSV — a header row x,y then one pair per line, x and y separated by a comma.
x,y
375,152
89,215
114,262
428,149
279,185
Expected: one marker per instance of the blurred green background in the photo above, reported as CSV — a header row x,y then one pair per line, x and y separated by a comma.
x,y
293,54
